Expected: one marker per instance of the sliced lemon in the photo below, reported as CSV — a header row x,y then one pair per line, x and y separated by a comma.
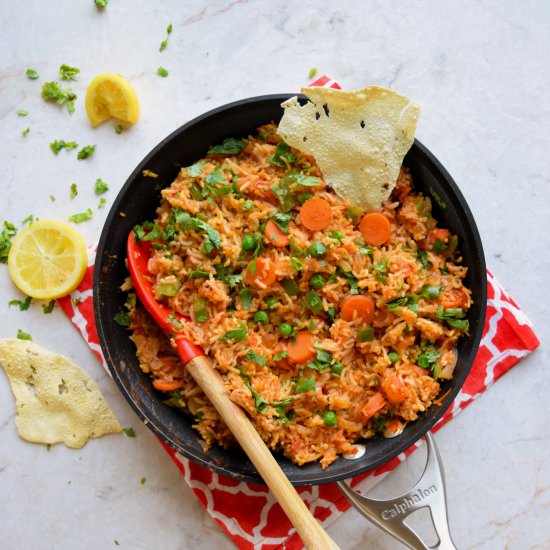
x,y
111,95
47,259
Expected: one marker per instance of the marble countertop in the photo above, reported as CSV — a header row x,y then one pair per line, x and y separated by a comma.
x,y
479,70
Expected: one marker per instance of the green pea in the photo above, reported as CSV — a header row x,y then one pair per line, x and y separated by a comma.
x,y
330,418
271,301
261,317
285,329
393,356
317,281
249,242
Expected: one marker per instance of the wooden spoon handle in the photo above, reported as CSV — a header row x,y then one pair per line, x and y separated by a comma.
x,y
312,534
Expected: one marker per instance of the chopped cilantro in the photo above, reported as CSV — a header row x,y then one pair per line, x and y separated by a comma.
x,y
32,74
454,317
29,219
119,128
312,72
6,237
185,221
283,156
314,302
279,356
122,318
22,112
48,308
52,91
52,198
103,4
100,187
438,200
102,202
82,216
164,43
430,291
130,432
247,205
143,480
195,170
304,385
22,335
66,72
230,146
26,131
59,144
22,304
161,71
236,335
254,357
85,152
74,190
246,298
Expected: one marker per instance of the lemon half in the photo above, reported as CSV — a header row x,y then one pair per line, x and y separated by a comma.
x,y
111,95
47,259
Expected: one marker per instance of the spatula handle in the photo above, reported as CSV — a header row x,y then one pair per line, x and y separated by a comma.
x,y
312,534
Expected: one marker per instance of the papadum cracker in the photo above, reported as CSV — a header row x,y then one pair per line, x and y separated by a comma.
x,y
56,401
358,138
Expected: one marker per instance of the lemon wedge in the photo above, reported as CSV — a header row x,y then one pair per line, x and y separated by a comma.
x,y
47,259
111,95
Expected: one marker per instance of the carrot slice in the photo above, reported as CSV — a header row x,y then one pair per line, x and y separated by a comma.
x,y
315,214
358,305
260,272
375,403
395,389
375,228
275,235
301,348
167,385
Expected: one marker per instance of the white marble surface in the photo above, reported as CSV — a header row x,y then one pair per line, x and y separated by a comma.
x,y
480,72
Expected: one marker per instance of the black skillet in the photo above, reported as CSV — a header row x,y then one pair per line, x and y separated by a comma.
x,y
137,202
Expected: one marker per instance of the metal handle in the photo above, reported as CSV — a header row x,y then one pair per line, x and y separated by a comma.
x,y
428,492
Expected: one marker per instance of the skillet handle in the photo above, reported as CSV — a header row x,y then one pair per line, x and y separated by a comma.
x,y
312,534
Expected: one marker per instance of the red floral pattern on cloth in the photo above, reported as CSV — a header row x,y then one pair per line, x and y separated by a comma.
x,y
247,512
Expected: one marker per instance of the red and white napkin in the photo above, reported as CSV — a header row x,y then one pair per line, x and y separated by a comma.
x,y
248,513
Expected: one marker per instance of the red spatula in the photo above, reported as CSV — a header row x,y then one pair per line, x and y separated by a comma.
x,y
207,377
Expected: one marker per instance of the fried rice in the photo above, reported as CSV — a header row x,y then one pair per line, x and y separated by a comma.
x,y
359,380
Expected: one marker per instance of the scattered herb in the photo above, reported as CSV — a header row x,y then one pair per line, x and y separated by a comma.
x,y
279,356
454,317
336,369
438,200
103,4
74,190
314,302
143,480
185,221
48,308
26,131
312,72
52,198
246,298
66,72
59,144
195,170
22,112
23,305
52,91
164,43
304,385
236,335
6,237
122,318
85,152
230,146
161,71
317,248
283,156
82,216
100,187
102,202
430,292
200,310
22,335
119,128
254,357
32,74
130,432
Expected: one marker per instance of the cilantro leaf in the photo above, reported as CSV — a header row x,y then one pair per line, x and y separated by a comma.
x,y
53,92
230,146
162,72
82,216
100,187
66,72
74,190
6,237
22,335
283,156
59,144
254,357
31,74
22,112
101,3
235,335
130,432
195,170
85,152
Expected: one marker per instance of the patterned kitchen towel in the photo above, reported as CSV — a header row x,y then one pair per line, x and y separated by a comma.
x,y
248,513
